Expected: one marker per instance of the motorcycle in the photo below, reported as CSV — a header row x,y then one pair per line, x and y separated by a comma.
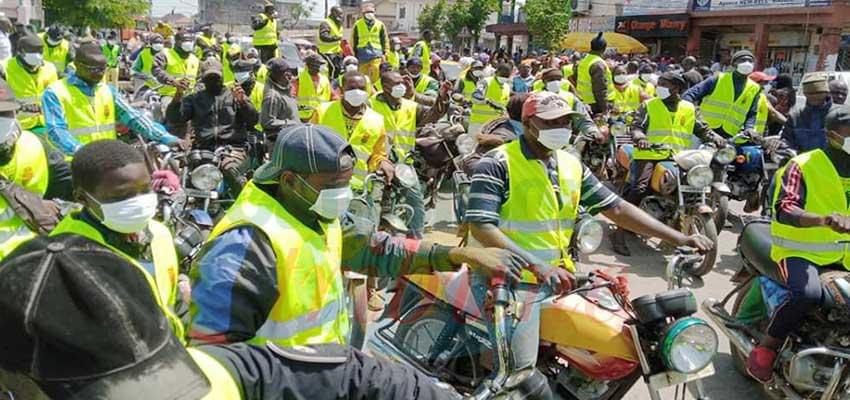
x,y
595,343
437,157
384,204
812,362
595,154
680,187
619,163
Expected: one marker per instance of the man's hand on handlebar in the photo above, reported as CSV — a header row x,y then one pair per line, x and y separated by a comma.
x,y
718,140
640,140
699,242
559,279
445,89
837,222
388,170
492,262
181,144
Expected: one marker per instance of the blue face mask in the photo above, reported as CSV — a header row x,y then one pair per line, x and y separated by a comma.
x,y
517,126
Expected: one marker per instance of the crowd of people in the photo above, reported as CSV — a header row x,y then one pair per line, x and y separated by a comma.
x,y
94,305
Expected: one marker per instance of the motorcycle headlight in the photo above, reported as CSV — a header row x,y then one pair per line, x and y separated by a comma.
x,y
725,155
206,177
700,176
406,175
689,345
465,144
589,235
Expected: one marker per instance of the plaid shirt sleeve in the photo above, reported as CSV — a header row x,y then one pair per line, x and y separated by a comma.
x,y
137,122
54,121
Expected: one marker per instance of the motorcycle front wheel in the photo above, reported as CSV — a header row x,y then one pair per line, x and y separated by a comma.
x,y
721,213
704,224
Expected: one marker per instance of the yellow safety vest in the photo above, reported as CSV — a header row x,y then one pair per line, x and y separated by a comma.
x,y
56,55
363,138
532,217
335,46
393,59
257,100
310,97
425,56
762,115
468,88
497,93
675,130
88,119
721,109
146,57
647,87
28,88
627,100
369,37
267,35
222,384
566,95
179,68
262,74
400,124
165,264
539,86
567,71
210,42
584,83
825,194
424,81
29,169
310,308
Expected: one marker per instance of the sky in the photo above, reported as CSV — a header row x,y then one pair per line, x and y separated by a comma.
x,y
190,7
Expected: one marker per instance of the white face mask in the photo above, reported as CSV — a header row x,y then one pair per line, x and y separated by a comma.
x,y
416,76
662,92
231,40
128,216
767,88
369,15
645,77
241,77
33,59
331,203
157,47
745,68
355,97
502,80
111,42
396,47
477,73
555,139
621,79
187,46
351,68
53,42
398,91
553,86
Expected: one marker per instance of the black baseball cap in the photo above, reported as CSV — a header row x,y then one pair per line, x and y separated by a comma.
x,y
306,149
82,323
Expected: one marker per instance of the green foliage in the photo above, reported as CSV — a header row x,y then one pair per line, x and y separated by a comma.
x,y
548,21
299,11
433,18
95,13
469,14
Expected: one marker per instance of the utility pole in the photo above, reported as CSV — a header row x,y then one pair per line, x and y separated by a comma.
x,y
326,8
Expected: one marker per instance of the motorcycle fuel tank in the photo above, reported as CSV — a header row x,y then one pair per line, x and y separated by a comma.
x,y
749,158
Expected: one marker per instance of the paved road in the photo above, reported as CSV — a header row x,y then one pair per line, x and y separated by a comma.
x,y
645,270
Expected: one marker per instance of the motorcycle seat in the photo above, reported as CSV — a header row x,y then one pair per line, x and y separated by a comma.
x,y
754,245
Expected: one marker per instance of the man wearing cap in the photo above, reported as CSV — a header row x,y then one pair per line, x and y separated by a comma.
x,y
809,227
271,269
176,67
804,128
838,91
593,78
28,75
279,108
351,64
469,80
206,42
31,164
72,121
395,54
112,51
143,66
552,80
65,295
58,50
691,75
423,84
626,96
220,116
536,170
265,32
370,39
260,68
644,79
330,40
728,101
490,97
243,73
663,120
422,50
313,87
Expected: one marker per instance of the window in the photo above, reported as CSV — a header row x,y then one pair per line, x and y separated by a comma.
x,y
402,12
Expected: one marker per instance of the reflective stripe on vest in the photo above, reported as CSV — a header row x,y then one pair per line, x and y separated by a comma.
x,y
267,35
825,194
28,88
57,55
400,125
335,46
627,100
721,110
163,281
584,82
179,68
88,118
545,229
497,93
222,384
363,138
310,97
666,128
762,115
368,37
309,277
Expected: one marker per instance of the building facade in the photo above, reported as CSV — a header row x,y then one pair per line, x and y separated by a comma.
x,y
24,11
235,15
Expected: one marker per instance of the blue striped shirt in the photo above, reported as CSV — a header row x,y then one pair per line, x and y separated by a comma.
x,y
490,188
57,126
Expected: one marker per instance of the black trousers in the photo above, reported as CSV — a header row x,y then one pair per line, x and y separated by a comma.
x,y
640,183
266,52
802,279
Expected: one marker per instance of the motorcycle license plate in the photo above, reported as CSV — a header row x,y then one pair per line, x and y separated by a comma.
x,y
691,189
201,194
673,378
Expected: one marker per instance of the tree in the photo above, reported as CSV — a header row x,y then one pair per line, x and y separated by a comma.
x,y
95,13
433,18
469,14
548,21
299,11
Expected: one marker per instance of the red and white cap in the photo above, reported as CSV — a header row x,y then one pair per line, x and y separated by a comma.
x,y
545,105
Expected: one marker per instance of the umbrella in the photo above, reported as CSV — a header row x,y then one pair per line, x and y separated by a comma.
x,y
625,44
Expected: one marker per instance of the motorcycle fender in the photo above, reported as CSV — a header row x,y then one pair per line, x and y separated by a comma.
x,y
705,209
722,188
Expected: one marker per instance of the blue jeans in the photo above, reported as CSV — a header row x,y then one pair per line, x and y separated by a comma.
x,y
413,197
524,331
